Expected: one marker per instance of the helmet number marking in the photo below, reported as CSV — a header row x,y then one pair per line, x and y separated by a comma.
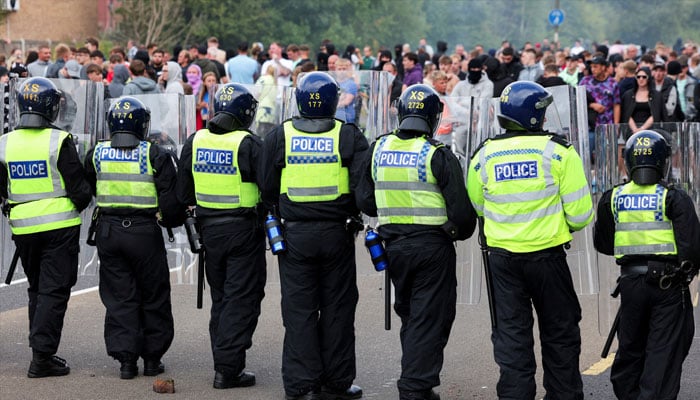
x,y
418,105
315,100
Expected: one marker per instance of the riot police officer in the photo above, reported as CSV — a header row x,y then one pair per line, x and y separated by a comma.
x,y
134,184
530,187
219,173
310,175
43,181
652,229
416,187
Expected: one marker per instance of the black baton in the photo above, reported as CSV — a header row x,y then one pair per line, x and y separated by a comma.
x,y
200,279
613,328
387,300
13,267
487,272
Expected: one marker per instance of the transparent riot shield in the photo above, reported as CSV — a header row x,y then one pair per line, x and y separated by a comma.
x,y
82,114
610,170
566,117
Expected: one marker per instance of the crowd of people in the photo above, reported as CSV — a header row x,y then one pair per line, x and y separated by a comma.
x,y
316,173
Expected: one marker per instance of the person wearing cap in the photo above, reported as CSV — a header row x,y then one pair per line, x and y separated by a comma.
x,y
71,70
669,94
678,71
604,105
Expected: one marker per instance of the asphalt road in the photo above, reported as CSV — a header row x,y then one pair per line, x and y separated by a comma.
x,y
469,371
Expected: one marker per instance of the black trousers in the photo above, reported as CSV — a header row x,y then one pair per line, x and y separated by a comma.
x,y
50,262
235,270
422,268
134,287
319,295
540,279
655,333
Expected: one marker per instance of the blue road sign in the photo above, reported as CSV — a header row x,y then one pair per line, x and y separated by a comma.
x,y
556,17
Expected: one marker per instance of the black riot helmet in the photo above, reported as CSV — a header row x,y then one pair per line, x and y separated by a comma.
x,y
39,102
317,95
129,121
523,106
647,155
234,107
419,109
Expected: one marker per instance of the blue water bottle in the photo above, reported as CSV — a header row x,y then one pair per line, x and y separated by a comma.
x,y
376,250
273,228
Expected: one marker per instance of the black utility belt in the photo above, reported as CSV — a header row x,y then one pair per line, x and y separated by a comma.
x,y
224,219
659,273
127,221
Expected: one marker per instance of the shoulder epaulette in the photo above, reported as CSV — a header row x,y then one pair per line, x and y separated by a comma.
x,y
560,140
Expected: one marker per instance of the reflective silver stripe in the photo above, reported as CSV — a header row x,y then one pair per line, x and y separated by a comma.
x,y
482,163
23,198
643,226
521,197
577,195
319,191
414,212
44,219
527,217
3,148
112,176
547,163
645,249
478,207
213,198
581,218
54,144
422,186
145,200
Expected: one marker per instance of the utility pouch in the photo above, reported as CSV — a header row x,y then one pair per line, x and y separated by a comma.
x,y
660,273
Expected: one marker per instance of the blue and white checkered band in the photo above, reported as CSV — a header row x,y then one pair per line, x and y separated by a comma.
x,y
214,161
303,144
637,202
312,159
398,159
28,169
515,170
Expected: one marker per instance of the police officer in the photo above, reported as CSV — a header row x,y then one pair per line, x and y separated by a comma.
x,y
310,173
219,171
43,181
652,229
531,190
134,184
416,187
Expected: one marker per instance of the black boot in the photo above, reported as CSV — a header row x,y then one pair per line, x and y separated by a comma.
x,y
128,368
352,392
223,380
421,395
46,364
153,367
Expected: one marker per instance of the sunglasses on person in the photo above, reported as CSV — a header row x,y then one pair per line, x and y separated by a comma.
x,y
642,77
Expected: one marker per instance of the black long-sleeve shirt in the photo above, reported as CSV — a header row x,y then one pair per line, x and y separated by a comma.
x,y
447,172
679,209
164,165
72,172
351,145
249,155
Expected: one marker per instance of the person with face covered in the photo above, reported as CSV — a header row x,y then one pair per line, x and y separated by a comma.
x,y
477,83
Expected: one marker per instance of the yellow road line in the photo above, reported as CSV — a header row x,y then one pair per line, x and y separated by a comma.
x,y
600,367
